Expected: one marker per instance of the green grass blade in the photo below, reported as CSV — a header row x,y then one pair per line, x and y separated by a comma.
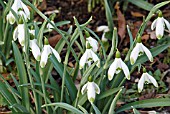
x,y
22,75
142,4
145,104
97,111
83,109
65,106
68,81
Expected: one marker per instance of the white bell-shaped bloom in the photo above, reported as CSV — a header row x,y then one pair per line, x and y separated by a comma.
x,y
159,24
138,50
19,33
116,67
47,50
93,43
91,88
87,57
20,9
146,78
35,49
49,26
105,29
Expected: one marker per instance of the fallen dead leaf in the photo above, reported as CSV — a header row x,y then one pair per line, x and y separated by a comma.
x,y
121,22
53,40
145,37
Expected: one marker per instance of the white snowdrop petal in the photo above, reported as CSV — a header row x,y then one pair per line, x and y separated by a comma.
x,y
159,28
15,34
152,80
10,17
83,59
26,10
35,49
102,28
56,54
95,58
135,53
91,92
97,89
148,53
21,34
112,69
125,70
141,83
167,24
44,56
153,25
84,89
93,43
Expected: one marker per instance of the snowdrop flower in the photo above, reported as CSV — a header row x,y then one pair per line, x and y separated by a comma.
x,y
117,66
87,57
49,26
19,33
20,9
47,50
93,43
146,78
138,50
104,29
35,49
92,88
159,24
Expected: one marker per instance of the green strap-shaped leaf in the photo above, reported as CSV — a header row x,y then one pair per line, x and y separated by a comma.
x,y
145,104
97,111
65,106
69,83
22,76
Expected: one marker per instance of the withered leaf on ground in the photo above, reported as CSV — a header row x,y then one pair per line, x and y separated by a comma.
x,y
54,39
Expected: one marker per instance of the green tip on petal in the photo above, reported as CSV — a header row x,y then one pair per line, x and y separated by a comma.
x,y
38,58
42,65
117,54
132,61
88,46
139,90
109,77
80,67
91,100
144,70
128,77
159,36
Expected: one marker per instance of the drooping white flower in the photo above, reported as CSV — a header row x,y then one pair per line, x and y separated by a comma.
x,y
92,88
35,49
159,24
49,26
47,50
89,56
117,66
19,33
105,29
138,50
146,78
93,43
20,9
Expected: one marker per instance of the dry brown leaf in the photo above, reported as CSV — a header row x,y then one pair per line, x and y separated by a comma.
x,y
53,40
136,14
145,37
152,35
121,22
43,5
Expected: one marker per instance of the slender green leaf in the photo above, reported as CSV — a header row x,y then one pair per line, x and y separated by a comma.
x,y
22,75
83,109
97,111
145,104
135,111
65,106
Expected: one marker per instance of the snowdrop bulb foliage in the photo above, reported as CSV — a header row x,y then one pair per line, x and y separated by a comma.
x,y
146,78
104,29
117,66
87,57
93,43
20,9
91,88
19,33
47,50
138,50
